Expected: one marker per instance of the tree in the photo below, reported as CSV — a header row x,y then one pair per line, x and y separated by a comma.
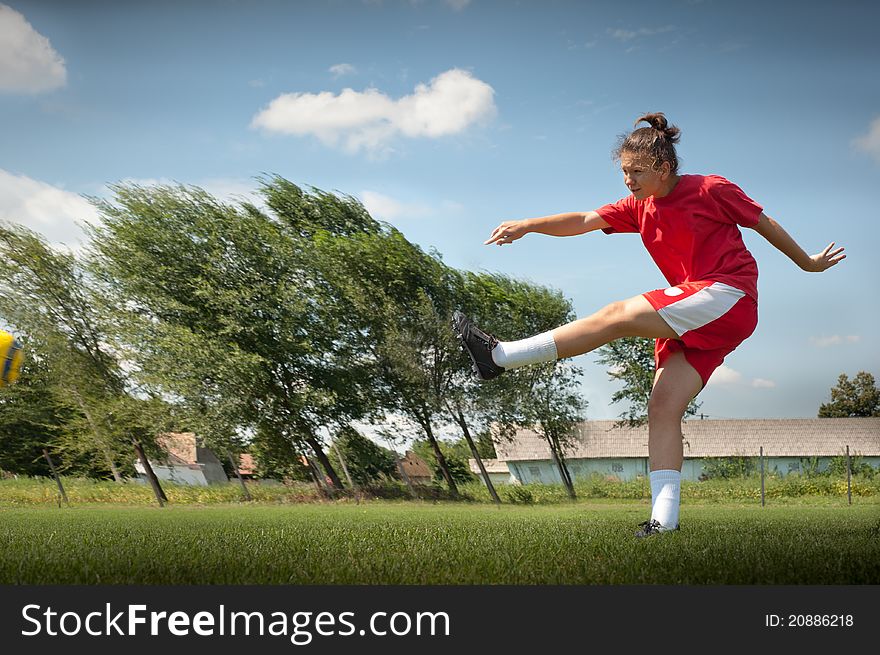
x,y
542,397
631,361
366,461
50,297
507,308
31,418
398,306
553,408
852,398
456,460
227,310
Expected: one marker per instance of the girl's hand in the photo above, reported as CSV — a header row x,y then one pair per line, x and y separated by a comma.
x,y
507,232
825,259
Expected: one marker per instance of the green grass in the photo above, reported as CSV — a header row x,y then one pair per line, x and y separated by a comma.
x,y
381,542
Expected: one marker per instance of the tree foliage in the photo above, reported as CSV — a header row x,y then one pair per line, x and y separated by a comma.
x,y
852,398
51,299
366,461
265,327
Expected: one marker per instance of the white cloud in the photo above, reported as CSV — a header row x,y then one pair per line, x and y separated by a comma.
x,y
761,383
724,375
339,70
629,35
28,62
458,5
834,340
46,209
870,142
368,120
385,208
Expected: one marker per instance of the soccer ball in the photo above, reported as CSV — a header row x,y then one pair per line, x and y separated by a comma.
x,y
10,358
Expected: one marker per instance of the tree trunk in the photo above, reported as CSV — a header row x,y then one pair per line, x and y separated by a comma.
x,y
316,477
441,460
348,477
151,475
57,479
328,467
563,473
569,483
91,421
244,489
459,417
113,469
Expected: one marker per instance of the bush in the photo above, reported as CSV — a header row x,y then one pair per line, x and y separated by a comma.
x,y
518,495
837,467
727,467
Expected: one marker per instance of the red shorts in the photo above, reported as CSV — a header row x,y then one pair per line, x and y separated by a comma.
x,y
710,319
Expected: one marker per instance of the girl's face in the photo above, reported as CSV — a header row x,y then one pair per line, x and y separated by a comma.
x,y
643,179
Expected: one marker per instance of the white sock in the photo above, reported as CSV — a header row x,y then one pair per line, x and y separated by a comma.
x,y
666,497
534,350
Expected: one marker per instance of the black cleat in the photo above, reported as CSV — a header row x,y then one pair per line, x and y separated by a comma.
x,y
478,345
653,526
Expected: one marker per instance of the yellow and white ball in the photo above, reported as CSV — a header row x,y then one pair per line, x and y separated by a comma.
x,y
10,358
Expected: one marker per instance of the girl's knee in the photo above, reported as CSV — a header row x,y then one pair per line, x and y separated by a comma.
x,y
666,408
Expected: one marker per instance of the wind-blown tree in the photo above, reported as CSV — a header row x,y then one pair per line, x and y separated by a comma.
x,y
852,398
50,298
225,302
631,362
535,397
365,460
398,304
553,408
31,418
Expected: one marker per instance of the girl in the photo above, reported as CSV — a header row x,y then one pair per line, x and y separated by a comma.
x,y
690,225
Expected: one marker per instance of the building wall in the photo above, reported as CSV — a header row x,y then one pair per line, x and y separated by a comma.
x,y
204,475
214,473
500,478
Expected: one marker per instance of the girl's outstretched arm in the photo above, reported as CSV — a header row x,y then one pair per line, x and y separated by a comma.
x,y
778,237
558,225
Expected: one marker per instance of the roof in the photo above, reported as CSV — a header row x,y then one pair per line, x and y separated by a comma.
x,y
415,466
180,446
182,449
796,437
491,466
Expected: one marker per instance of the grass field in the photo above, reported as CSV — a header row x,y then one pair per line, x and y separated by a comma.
x,y
381,542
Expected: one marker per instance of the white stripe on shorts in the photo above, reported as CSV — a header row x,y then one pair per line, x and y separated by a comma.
x,y
703,307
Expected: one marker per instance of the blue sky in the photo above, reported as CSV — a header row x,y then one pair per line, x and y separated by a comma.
x,y
447,117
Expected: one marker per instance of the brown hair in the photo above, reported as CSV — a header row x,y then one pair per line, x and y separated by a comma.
x,y
655,143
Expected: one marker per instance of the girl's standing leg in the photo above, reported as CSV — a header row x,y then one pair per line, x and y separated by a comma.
x,y
675,385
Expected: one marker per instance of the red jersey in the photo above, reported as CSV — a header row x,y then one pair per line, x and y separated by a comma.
x,y
692,233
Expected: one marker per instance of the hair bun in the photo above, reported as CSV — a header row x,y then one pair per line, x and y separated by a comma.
x,y
658,122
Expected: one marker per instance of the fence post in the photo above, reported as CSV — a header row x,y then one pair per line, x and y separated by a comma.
x,y
848,478
762,476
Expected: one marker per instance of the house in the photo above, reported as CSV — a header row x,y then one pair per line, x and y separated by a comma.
x,y
186,462
497,470
789,445
416,469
